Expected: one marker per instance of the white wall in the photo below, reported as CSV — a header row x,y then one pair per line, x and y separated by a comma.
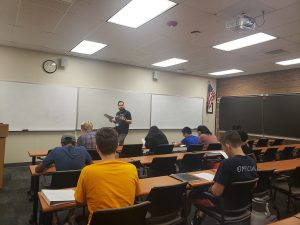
x,y
26,66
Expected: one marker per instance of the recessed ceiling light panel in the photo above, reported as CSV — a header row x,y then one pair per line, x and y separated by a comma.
x,y
88,47
225,72
245,42
170,62
138,12
289,62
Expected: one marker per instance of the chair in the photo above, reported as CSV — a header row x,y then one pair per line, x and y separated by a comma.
x,y
250,143
64,179
132,150
257,154
286,153
290,187
163,149
214,146
133,215
191,162
234,203
139,167
162,166
263,186
262,142
94,154
278,142
167,205
194,148
269,155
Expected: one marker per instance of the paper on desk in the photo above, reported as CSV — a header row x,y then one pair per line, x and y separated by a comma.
x,y
206,176
143,141
220,152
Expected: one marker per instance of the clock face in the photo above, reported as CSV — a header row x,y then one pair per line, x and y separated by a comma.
x,y
49,66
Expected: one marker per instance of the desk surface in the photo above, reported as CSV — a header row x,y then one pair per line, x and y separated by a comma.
x,y
145,187
288,221
280,147
280,166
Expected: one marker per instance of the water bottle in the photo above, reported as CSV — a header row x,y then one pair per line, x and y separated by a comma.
x,y
260,214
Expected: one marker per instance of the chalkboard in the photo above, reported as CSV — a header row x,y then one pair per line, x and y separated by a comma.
x,y
175,112
282,115
37,107
244,111
94,103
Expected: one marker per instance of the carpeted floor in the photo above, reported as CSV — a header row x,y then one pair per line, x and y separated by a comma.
x,y
15,208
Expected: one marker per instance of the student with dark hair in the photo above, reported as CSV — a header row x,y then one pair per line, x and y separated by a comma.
x,y
67,157
236,127
154,138
188,139
111,183
244,138
237,167
205,136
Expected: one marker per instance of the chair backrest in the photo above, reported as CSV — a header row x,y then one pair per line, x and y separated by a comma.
x,y
194,148
94,154
167,199
277,142
136,163
262,142
132,150
64,179
286,153
161,166
257,153
133,215
264,182
294,180
163,149
238,196
192,162
214,146
269,155
250,143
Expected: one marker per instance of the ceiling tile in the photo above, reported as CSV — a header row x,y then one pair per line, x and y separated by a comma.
x,y
8,11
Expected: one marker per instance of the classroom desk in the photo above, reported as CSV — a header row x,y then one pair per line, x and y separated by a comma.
x,y
293,220
279,166
145,187
280,147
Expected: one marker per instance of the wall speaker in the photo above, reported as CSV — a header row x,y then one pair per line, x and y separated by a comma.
x,y
155,75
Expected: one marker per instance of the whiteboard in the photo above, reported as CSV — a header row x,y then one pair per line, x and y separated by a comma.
x,y
174,112
37,107
94,103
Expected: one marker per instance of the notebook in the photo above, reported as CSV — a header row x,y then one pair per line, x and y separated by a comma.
x,y
184,177
56,197
206,176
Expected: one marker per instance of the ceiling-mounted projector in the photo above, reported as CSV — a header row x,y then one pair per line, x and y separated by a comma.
x,y
241,23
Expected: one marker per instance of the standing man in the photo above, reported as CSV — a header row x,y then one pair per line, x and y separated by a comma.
x,y
122,121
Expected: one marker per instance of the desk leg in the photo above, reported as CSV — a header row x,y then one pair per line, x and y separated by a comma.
x,y
30,192
36,187
45,218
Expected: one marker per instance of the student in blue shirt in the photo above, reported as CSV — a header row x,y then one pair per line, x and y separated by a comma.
x,y
188,139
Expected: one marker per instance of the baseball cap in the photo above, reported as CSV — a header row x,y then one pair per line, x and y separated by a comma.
x,y
67,137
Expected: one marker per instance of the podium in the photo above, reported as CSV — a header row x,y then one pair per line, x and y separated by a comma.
x,y
3,135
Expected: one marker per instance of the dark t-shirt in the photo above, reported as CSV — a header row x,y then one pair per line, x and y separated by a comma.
x,y
68,158
152,142
122,127
247,149
237,168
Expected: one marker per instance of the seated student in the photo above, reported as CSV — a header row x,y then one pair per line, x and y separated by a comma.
x,y
111,183
245,147
188,139
205,136
88,137
238,167
154,138
67,157
236,127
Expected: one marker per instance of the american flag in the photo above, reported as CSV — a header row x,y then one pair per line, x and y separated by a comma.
x,y
211,94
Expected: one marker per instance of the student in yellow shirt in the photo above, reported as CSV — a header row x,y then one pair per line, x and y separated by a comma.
x,y
111,183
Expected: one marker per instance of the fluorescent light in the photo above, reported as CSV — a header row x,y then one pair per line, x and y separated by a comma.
x,y
170,62
88,47
225,72
245,41
138,12
289,62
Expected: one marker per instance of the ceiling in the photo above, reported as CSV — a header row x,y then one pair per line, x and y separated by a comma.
x,y
57,26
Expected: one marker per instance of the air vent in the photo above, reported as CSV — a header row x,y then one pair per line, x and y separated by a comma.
x,y
276,52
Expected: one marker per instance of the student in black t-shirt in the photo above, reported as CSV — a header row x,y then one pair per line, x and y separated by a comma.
x,y
238,167
122,121
154,138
